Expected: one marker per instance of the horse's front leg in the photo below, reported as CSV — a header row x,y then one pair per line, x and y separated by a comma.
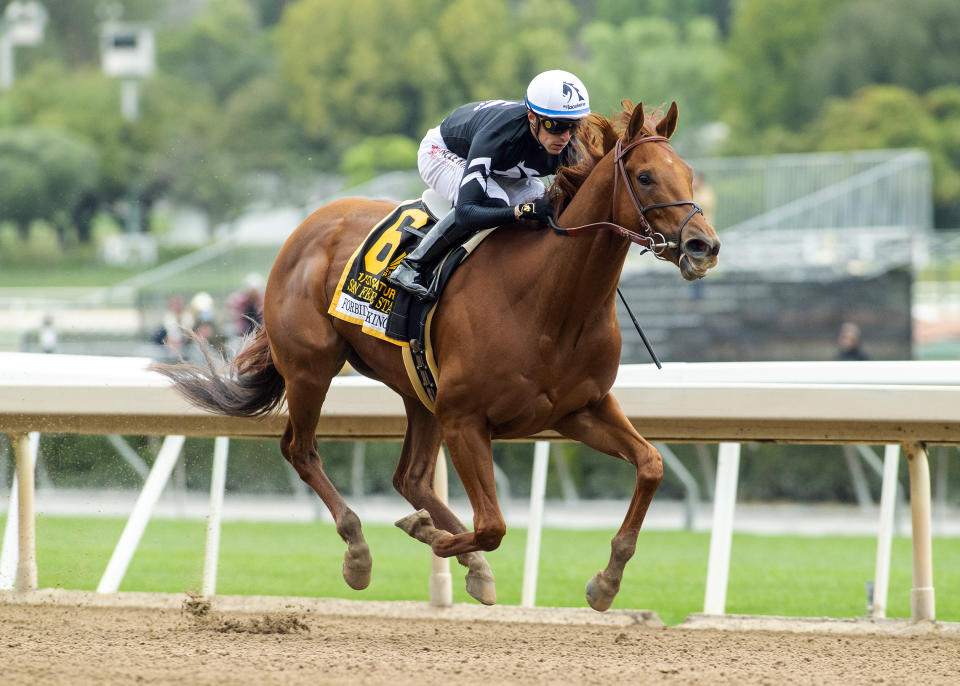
x,y
604,427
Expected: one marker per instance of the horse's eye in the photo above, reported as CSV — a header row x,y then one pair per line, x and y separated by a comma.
x,y
644,179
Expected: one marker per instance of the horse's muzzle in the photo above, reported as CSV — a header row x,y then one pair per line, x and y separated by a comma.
x,y
698,254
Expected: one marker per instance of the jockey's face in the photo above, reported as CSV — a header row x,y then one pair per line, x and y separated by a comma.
x,y
553,143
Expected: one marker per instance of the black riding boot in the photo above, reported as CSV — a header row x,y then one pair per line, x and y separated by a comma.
x,y
413,274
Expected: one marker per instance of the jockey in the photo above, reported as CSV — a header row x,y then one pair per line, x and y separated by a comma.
x,y
485,157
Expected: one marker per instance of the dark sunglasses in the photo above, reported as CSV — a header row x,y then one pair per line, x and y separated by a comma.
x,y
558,126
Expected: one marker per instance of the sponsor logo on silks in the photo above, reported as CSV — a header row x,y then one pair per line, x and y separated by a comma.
x,y
526,208
570,92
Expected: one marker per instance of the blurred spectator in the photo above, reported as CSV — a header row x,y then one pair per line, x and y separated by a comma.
x,y
202,308
246,305
203,312
849,343
206,331
48,334
176,321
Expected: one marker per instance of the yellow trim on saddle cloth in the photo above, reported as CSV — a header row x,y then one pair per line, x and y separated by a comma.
x,y
363,296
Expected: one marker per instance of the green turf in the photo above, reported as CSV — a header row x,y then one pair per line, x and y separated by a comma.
x,y
769,575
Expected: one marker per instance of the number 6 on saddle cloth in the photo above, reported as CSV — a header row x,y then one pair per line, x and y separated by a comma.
x,y
364,297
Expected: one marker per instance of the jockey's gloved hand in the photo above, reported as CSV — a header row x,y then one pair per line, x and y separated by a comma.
x,y
540,209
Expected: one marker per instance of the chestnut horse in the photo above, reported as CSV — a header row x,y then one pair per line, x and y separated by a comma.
x,y
526,339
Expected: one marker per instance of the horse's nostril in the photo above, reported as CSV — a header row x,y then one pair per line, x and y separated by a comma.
x,y
696,248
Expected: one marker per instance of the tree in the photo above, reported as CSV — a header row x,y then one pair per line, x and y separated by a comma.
x,y
46,175
676,11
257,132
221,48
915,45
348,65
768,50
376,155
491,52
83,104
174,147
944,106
359,68
182,154
667,61
883,116
269,12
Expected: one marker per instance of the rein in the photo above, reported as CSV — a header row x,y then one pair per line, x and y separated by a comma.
x,y
649,240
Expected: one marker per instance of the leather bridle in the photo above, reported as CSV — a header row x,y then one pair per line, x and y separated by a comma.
x,y
650,240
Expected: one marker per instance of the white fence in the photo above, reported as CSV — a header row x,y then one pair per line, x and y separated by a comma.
x,y
909,404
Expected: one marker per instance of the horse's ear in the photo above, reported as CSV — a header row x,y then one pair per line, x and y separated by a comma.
x,y
667,125
635,125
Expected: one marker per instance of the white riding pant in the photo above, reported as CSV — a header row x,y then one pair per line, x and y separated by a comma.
x,y
442,170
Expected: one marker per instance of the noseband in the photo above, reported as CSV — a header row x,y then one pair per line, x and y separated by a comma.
x,y
657,239
650,240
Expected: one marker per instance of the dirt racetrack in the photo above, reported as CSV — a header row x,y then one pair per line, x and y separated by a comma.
x,y
61,637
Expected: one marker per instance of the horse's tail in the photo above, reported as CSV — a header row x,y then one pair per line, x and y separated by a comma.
x,y
249,386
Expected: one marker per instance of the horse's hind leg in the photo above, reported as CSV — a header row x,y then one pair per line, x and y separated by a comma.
x,y
606,428
304,398
414,479
469,442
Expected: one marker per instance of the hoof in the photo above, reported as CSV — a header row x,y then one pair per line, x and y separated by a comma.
x,y
420,526
480,582
414,522
357,565
600,593
482,588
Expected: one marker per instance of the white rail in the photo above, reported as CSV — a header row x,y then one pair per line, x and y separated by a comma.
x,y
894,403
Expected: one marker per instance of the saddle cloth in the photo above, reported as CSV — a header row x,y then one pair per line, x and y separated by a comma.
x,y
364,297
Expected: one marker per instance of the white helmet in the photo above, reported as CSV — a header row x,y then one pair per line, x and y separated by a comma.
x,y
558,94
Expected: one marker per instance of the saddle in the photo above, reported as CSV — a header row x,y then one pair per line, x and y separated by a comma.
x,y
364,297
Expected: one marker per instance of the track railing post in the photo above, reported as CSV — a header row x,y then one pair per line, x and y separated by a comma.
x,y
538,488
888,504
721,536
922,605
10,551
26,539
218,481
441,584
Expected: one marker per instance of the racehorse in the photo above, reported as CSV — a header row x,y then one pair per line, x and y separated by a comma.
x,y
525,337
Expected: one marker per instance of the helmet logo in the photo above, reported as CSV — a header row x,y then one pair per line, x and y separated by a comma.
x,y
570,91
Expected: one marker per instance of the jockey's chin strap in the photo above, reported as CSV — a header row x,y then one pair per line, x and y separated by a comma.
x,y
649,240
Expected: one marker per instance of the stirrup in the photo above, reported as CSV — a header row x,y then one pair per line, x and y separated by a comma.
x,y
405,277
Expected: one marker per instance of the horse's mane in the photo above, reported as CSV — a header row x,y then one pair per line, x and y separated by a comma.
x,y
594,140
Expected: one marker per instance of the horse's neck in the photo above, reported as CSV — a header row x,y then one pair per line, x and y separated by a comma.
x,y
590,264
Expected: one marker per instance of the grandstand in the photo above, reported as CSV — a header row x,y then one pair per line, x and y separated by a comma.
x,y
809,241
